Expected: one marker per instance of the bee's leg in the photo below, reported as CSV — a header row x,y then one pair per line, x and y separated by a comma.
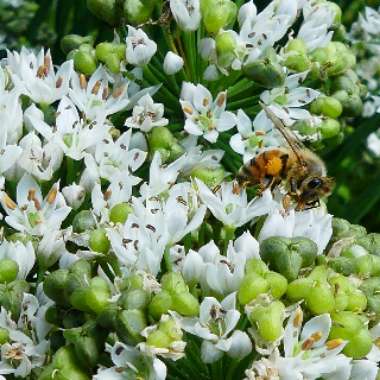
x,y
293,185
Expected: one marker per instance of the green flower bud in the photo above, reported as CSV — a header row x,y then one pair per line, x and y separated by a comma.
x,y
55,286
52,315
160,304
371,243
297,62
320,299
113,63
98,241
107,318
306,248
269,320
251,286
73,318
277,284
354,251
357,301
352,105
212,177
103,50
83,221
343,229
134,299
371,288
256,266
329,128
328,106
359,345
341,300
265,72
120,212
173,282
134,281
84,62
159,339
185,304
170,328
4,336
342,265
103,9
137,11
344,83
130,323
74,41
225,47
8,270
217,14
98,294
299,289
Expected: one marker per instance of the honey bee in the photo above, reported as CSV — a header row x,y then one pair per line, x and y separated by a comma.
x,y
295,166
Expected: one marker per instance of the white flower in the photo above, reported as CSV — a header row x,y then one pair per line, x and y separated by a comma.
x,y
32,214
374,354
315,29
363,370
173,63
292,98
74,195
115,162
315,224
186,13
373,143
95,98
140,49
129,361
203,115
307,353
73,135
153,226
233,209
22,253
147,115
38,159
22,353
263,30
215,325
161,177
249,141
10,110
216,272
36,77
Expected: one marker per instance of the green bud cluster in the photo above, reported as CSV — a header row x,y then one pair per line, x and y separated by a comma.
x,y
288,256
258,279
162,140
133,12
217,14
86,57
174,295
166,333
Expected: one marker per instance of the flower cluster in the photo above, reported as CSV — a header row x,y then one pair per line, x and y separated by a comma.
x,y
127,249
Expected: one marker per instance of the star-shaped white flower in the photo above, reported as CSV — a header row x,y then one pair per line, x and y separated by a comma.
x,y
204,116
36,77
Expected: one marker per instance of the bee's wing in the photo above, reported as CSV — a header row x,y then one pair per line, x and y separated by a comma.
x,y
293,141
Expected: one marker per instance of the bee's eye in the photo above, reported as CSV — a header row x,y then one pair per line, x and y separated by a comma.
x,y
314,183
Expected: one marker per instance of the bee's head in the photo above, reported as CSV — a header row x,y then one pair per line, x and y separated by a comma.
x,y
314,188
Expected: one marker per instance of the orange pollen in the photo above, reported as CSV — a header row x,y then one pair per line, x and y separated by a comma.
x,y
52,195
316,336
307,344
188,110
273,166
105,93
82,81
334,343
96,88
377,342
297,322
205,102
221,99
32,197
9,202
